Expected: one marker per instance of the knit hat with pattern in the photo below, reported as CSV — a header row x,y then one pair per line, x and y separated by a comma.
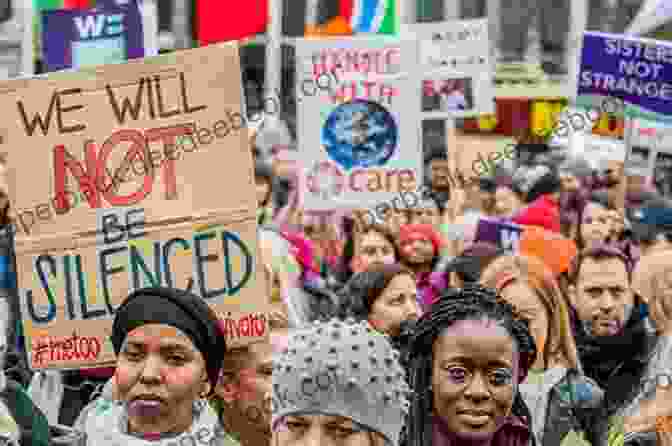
x,y
342,368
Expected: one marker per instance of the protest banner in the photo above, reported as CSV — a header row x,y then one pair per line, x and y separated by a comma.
x,y
499,233
453,70
553,249
172,226
637,71
356,149
76,38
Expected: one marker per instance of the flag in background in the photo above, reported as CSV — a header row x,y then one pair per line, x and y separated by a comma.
x,y
374,16
218,22
358,17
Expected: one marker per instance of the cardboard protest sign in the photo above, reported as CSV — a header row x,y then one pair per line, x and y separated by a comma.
x,y
454,73
499,233
124,186
356,149
75,38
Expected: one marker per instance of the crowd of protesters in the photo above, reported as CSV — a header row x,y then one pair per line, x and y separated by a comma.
x,y
408,331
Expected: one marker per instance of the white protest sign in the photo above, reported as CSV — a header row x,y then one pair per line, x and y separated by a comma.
x,y
454,70
356,149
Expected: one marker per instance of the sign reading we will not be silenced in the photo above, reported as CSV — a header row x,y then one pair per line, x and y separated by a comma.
x,y
172,226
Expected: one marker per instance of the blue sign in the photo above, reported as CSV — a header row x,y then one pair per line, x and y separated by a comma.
x,y
111,33
638,71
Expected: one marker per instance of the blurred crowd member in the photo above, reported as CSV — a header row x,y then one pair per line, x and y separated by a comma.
x,y
428,211
540,186
169,348
554,388
575,180
243,392
651,226
394,219
638,192
594,225
527,284
469,265
324,232
420,247
264,181
383,295
440,177
350,402
651,403
372,244
21,422
613,339
508,199
553,26
285,274
469,354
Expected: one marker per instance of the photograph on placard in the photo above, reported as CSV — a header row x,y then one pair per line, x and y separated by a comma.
x,y
449,95
662,174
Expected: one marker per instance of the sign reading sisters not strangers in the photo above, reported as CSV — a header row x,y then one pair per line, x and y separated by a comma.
x,y
177,225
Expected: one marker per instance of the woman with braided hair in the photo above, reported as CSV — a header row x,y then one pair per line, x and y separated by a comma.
x,y
468,355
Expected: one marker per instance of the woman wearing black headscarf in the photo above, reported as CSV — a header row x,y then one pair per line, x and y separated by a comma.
x,y
169,349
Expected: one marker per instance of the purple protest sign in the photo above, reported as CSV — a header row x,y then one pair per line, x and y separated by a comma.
x,y
502,234
638,71
110,33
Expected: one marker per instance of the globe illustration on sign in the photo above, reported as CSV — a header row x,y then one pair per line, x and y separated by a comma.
x,y
360,134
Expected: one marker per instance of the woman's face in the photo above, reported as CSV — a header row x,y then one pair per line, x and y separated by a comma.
x,y
474,372
373,248
595,224
506,201
418,250
397,303
263,189
160,374
324,430
523,298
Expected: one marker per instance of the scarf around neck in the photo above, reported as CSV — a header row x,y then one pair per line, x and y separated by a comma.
x,y
601,357
108,426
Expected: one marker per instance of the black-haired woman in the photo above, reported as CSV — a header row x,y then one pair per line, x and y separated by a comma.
x,y
170,349
386,297
468,356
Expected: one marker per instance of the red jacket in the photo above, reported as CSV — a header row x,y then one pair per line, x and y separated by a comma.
x,y
543,212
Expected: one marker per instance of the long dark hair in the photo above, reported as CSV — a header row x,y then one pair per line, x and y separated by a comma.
x,y
344,269
473,302
362,290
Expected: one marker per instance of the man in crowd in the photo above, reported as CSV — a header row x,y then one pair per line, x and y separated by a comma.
x,y
244,390
613,340
439,176
651,226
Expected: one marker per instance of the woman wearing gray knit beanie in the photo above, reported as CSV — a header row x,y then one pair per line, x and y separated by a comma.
x,y
338,383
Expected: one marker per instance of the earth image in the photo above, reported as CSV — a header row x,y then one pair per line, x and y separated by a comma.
x,y
360,133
